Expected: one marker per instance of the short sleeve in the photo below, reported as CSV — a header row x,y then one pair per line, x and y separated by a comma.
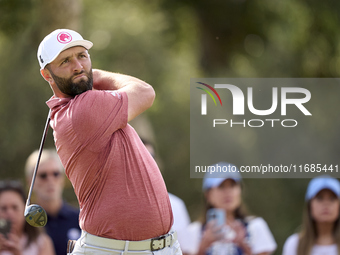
x,y
261,239
291,244
97,115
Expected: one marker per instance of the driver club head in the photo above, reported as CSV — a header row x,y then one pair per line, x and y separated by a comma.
x,y
35,215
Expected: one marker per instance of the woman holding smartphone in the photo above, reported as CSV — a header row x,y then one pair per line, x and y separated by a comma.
x,y
320,231
226,230
17,236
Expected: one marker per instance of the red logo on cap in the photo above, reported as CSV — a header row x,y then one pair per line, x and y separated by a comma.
x,y
64,37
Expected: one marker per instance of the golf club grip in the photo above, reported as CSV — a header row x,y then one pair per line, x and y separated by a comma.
x,y
39,156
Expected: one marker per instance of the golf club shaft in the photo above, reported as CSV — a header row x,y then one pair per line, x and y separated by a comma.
x,y
38,160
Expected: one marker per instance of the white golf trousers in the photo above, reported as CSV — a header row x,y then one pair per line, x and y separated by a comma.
x,y
82,248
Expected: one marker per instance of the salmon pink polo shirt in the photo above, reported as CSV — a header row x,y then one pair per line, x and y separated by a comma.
x,y
121,192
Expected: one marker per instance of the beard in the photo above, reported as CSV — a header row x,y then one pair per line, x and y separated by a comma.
x,y
70,88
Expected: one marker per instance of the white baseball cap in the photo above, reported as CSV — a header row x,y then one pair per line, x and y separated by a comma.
x,y
58,41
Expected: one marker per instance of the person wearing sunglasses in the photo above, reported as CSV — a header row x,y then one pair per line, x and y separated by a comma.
x,y
17,237
62,224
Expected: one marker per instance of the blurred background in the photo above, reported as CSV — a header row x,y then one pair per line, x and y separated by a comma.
x,y
166,43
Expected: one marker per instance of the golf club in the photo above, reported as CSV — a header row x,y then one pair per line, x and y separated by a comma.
x,y
34,214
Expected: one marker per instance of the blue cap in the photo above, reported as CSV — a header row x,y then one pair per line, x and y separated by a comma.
x,y
322,182
218,173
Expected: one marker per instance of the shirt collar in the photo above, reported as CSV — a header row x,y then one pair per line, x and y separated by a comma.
x,y
54,101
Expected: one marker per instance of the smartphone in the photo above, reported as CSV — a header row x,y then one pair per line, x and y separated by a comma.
x,y
5,227
216,214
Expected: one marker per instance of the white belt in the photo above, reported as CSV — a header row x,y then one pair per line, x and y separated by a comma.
x,y
153,244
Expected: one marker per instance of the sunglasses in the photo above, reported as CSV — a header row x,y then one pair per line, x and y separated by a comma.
x,y
44,176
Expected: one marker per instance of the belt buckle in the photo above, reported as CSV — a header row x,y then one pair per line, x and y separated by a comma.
x,y
158,243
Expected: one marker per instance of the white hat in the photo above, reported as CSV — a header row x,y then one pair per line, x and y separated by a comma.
x,y
58,41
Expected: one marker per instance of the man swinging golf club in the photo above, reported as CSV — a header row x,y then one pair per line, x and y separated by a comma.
x,y
124,205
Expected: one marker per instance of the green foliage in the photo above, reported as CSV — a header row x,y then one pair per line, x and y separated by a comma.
x,y
14,15
166,43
